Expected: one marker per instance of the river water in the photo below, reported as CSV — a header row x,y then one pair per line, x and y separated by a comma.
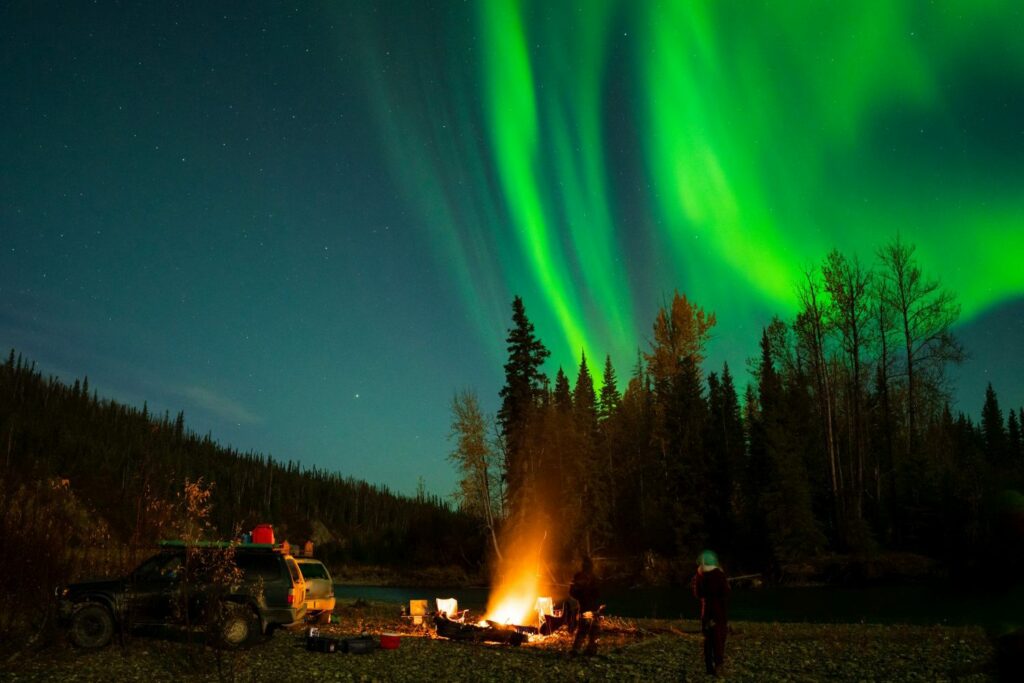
x,y
920,605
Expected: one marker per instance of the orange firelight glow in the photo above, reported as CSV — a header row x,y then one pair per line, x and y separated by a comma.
x,y
516,584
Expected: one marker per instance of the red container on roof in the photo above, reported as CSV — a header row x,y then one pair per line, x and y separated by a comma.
x,y
263,533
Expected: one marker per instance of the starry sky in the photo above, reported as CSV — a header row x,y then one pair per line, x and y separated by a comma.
x,y
303,223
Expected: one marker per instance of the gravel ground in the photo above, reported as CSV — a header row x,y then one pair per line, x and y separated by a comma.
x,y
642,650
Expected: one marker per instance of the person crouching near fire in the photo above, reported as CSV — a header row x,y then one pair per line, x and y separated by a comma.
x,y
586,591
711,588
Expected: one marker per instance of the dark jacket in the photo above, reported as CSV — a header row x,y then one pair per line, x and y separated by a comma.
x,y
586,591
712,589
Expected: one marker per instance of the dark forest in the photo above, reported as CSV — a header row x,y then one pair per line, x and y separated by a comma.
x,y
843,443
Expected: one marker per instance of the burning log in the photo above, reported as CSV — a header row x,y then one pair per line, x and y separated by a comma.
x,y
492,633
525,630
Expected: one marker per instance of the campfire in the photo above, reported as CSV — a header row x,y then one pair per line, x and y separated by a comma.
x,y
515,605
517,581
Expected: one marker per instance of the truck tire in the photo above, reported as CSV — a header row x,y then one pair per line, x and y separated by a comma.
x,y
92,626
237,627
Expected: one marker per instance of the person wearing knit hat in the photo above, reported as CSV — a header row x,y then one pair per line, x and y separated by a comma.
x,y
711,588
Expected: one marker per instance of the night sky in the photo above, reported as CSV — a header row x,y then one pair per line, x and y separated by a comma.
x,y
303,224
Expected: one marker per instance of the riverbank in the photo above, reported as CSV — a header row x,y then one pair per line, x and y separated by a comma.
x,y
426,577
652,570
925,605
630,650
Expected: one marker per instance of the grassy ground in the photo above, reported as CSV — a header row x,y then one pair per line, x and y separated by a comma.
x,y
630,650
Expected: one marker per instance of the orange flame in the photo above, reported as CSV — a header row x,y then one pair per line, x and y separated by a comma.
x,y
517,582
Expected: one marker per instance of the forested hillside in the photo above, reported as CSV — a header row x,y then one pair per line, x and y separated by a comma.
x,y
125,469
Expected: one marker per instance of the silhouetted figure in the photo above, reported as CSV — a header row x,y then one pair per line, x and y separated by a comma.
x,y
711,588
585,590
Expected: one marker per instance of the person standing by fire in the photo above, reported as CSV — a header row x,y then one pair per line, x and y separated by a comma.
x,y
586,591
711,588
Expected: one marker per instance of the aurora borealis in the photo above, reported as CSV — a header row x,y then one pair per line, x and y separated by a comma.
x,y
266,211
722,148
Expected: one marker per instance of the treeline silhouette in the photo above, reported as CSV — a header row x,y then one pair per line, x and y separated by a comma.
x,y
94,473
844,441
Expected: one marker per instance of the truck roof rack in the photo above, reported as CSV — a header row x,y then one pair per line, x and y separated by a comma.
x,y
216,544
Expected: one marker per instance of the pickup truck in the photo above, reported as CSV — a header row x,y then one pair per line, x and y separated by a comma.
x,y
269,592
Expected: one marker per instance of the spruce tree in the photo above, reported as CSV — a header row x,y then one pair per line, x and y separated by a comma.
x,y
718,505
756,548
992,429
725,453
1013,440
681,331
584,398
520,397
562,397
638,466
608,401
557,459
593,502
732,423
786,501
610,438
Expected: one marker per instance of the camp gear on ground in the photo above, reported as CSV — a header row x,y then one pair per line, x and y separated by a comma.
x,y
359,646
318,643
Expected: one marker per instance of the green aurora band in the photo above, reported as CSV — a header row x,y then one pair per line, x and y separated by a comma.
x,y
593,158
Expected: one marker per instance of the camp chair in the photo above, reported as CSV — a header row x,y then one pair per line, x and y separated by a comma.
x,y
417,610
449,607
549,619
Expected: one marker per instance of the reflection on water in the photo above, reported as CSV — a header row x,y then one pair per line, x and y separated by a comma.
x,y
878,605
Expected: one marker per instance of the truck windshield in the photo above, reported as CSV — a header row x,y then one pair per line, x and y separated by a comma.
x,y
160,566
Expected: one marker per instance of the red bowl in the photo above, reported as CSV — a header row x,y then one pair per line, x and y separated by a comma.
x,y
389,641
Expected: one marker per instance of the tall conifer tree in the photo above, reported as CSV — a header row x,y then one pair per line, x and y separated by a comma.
x,y
609,437
562,396
608,401
524,385
681,331
785,501
1013,444
723,442
594,523
992,429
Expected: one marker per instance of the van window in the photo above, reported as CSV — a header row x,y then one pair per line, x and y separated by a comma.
x,y
294,571
314,570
